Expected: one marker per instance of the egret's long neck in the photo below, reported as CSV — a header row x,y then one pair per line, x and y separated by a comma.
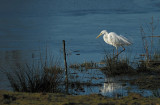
x,y
106,33
105,37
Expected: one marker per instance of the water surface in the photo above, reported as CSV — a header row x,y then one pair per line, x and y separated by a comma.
x,y
27,28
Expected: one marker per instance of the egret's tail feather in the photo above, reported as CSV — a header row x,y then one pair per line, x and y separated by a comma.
x,y
126,41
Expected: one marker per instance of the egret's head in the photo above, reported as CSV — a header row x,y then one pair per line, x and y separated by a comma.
x,y
102,33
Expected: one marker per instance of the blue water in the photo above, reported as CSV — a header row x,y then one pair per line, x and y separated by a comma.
x,y
27,28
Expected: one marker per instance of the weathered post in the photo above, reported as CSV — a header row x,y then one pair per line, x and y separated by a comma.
x,y
65,63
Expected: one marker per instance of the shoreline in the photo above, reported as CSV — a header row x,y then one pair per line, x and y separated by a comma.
x,y
23,98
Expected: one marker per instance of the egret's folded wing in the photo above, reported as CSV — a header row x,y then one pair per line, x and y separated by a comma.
x,y
117,40
125,40
113,38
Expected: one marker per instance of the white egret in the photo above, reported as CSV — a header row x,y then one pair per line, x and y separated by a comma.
x,y
114,40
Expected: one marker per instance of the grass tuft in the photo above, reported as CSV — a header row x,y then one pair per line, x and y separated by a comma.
x,y
40,76
85,65
117,66
150,60
30,79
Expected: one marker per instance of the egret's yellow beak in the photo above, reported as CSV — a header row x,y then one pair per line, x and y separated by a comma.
x,y
99,35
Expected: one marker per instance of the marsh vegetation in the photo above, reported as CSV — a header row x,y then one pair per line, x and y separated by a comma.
x,y
43,76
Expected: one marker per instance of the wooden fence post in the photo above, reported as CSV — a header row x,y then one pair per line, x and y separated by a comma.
x,y
65,63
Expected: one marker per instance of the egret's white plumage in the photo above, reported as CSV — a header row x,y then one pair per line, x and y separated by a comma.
x,y
114,39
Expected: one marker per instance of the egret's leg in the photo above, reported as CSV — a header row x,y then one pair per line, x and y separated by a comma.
x,y
119,52
122,50
113,53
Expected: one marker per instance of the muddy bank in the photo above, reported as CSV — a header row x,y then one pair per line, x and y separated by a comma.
x,y
18,98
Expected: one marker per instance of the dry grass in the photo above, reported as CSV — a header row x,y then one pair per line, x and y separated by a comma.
x,y
85,65
19,98
44,75
150,57
30,79
150,82
117,66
